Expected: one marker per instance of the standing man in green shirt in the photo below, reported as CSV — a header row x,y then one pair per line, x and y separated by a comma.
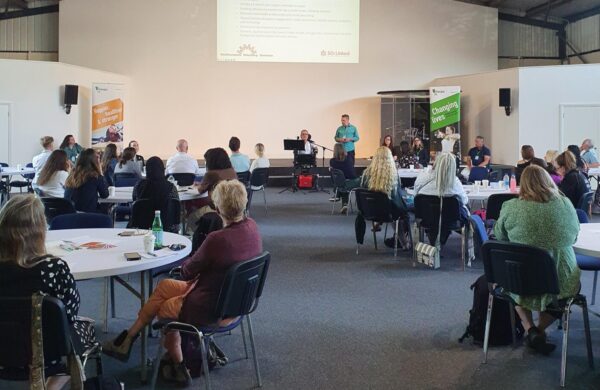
x,y
347,135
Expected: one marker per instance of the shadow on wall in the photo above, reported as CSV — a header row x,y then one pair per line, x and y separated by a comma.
x,y
481,125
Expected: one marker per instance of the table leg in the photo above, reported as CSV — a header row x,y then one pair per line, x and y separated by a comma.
x,y
143,368
105,299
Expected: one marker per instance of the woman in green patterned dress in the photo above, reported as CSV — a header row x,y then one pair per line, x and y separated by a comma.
x,y
544,218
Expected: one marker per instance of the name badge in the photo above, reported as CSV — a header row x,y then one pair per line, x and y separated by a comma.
x,y
477,157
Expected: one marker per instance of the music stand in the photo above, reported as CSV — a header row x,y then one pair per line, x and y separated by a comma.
x,y
295,145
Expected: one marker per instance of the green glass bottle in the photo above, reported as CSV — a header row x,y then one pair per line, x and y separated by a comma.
x,y
157,230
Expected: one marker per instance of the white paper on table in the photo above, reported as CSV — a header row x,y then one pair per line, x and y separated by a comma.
x,y
53,247
164,252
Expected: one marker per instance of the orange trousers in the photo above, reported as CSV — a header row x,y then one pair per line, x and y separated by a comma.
x,y
166,300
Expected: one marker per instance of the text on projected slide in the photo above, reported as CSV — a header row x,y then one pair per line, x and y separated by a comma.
x,y
288,30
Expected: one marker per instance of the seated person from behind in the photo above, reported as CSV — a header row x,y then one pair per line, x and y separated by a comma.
x,y
240,162
109,162
194,298
39,160
182,162
588,154
51,179
581,165
480,155
158,190
574,184
528,158
550,158
540,204
26,267
85,183
217,161
127,164
260,161
344,164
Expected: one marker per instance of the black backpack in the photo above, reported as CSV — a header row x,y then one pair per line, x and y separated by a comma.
x,y
500,332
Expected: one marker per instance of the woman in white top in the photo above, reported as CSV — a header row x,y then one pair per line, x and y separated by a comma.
x,y
52,177
127,163
261,161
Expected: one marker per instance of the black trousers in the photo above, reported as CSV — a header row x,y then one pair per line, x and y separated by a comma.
x,y
350,155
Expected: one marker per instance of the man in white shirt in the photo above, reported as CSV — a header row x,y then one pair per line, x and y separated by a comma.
x,y
309,147
182,162
39,161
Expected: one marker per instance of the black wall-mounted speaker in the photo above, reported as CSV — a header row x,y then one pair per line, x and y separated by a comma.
x,y
71,94
504,97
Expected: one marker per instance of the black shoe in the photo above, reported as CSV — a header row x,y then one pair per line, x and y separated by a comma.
x,y
181,375
119,348
536,340
389,242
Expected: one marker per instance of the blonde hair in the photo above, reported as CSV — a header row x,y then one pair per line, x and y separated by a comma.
x,y
46,141
381,173
230,199
444,170
22,230
537,185
259,149
551,155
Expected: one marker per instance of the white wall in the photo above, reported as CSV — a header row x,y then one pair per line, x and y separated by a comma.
x,y
180,90
35,91
481,114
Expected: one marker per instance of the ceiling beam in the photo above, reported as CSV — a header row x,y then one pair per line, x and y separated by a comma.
x,y
529,21
545,7
582,15
19,4
29,12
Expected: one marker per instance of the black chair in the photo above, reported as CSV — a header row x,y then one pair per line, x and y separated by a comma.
x,y
528,271
184,179
585,262
258,182
125,179
244,177
57,206
377,208
142,215
81,221
338,180
20,184
16,354
585,202
427,218
494,205
239,296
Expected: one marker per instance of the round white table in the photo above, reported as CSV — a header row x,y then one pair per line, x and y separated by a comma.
x,y
588,240
484,193
109,263
125,195
12,171
405,173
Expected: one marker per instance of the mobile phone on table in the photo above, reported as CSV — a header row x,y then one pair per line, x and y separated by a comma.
x,y
132,256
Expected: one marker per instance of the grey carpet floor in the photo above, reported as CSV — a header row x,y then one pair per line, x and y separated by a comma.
x,y
330,319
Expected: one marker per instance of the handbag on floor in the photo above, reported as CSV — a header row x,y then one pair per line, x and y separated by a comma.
x,y
430,254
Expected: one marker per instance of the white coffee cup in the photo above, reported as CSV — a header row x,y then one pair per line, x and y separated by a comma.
x,y
149,240
112,191
485,183
411,167
500,185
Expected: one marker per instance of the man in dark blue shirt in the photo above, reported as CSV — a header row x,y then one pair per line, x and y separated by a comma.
x,y
480,155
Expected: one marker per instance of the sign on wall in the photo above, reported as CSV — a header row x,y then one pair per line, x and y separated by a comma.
x,y
444,119
107,114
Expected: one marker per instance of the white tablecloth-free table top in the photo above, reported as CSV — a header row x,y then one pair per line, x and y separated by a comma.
x,y
485,193
97,263
405,173
594,171
12,171
125,195
588,240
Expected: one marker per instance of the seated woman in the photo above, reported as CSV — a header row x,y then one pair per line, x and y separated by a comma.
x,y
260,161
573,184
387,141
194,299
407,157
528,158
381,176
51,179
127,163
541,204
217,161
204,205
26,267
86,183
108,163
581,165
442,181
419,149
158,190
339,161
550,158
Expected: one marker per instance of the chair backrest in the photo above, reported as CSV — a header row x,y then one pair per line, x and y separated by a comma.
x,y
244,177
427,210
374,206
582,216
15,334
3,165
242,287
29,176
184,179
125,179
478,173
479,234
494,204
338,178
520,269
259,177
142,214
81,221
494,176
57,206
586,200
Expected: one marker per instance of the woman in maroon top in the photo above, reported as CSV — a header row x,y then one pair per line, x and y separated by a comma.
x,y
194,299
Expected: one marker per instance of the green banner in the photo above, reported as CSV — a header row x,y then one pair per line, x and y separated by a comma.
x,y
444,112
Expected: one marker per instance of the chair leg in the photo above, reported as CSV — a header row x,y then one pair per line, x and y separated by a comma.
x,y
256,368
244,337
511,307
594,287
113,309
203,349
265,199
157,362
335,193
374,235
588,337
396,239
488,321
563,360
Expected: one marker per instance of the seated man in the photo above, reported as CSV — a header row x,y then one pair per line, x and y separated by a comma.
x,y
182,162
480,155
239,161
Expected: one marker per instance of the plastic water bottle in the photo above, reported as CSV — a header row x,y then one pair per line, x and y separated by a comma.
x,y
506,180
513,183
157,230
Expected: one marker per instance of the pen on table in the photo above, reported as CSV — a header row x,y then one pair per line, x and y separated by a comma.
x,y
151,254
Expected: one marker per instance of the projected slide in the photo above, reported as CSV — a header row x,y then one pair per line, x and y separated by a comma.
x,y
288,30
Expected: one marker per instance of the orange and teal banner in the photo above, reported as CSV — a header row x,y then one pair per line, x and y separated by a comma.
x,y
107,114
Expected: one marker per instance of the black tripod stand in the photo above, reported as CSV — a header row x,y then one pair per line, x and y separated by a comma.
x,y
295,145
